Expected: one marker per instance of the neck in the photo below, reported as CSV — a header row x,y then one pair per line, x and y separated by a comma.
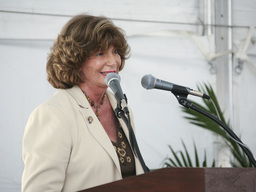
x,y
95,94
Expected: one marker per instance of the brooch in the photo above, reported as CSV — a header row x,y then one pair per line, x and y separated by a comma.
x,y
90,119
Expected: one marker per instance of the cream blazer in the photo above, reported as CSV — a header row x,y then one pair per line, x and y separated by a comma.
x,y
65,147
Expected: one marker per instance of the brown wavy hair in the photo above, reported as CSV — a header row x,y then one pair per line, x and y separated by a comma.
x,y
82,36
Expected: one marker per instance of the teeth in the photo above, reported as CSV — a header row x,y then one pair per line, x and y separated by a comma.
x,y
105,73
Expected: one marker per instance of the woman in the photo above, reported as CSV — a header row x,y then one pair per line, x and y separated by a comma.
x,y
73,141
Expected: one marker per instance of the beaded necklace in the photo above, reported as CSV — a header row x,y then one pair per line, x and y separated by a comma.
x,y
96,107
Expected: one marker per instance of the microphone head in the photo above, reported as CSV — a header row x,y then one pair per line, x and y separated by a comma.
x,y
110,77
148,81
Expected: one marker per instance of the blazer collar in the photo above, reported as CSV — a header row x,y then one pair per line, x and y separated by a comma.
x,y
78,95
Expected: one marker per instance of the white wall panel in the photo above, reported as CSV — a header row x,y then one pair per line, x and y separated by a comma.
x,y
23,87
159,120
47,17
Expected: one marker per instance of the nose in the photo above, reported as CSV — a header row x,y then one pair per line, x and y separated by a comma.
x,y
111,60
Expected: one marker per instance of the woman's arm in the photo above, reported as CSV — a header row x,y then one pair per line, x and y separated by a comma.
x,y
47,145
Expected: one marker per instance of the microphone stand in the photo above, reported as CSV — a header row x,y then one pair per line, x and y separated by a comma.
x,y
182,99
133,142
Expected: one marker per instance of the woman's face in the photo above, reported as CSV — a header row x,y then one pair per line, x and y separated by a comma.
x,y
96,68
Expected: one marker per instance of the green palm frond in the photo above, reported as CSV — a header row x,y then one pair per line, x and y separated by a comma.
x,y
183,159
195,118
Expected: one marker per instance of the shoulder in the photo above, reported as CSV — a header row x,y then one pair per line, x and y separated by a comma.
x,y
63,101
66,98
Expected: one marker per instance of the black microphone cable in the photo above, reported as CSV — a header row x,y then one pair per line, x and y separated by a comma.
x,y
133,142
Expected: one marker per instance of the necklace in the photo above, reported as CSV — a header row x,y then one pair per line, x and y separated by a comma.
x,y
92,103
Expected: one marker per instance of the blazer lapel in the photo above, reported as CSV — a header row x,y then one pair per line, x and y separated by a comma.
x,y
94,125
100,135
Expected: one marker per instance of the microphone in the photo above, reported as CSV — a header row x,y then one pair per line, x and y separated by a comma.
x,y
150,82
112,80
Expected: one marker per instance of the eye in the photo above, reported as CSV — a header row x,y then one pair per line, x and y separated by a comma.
x,y
99,54
116,51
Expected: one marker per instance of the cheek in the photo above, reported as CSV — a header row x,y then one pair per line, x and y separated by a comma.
x,y
118,61
86,68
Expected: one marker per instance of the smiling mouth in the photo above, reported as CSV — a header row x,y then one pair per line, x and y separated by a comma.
x,y
107,72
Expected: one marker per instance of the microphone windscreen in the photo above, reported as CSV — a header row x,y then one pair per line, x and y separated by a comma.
x,y
110,77
148,81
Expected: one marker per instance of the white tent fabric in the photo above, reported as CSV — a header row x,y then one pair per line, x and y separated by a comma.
x,y
173,49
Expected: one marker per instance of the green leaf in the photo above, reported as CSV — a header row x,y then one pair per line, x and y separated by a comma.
x,y
176,158
187,155
239,159
185,158
196,156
